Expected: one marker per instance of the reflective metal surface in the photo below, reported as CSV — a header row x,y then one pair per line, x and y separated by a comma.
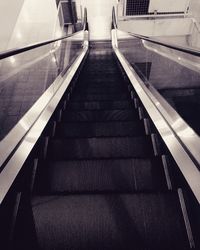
x,y
26,76
23,83
62,59
181,140
175,74
49,102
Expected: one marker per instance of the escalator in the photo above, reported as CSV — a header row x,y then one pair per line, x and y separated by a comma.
x,y
100,180
101,161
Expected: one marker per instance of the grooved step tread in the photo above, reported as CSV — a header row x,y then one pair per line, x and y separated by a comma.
x,y
106,70
101,83
128,221
122,175
100,86
100,97
94,81
109,105
99,115
102,91
100,148
99,129
104,64
101,69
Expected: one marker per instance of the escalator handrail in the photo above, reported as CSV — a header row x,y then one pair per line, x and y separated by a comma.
x,y
16,51
183,49
180,139
17,145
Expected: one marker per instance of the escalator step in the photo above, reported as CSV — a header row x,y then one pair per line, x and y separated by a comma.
x,y
100,115
102,75
102,91
100,62
112,129
101,68
123,175
88,222
100,148
102,86
100,59
100,105
112,82
100,97
99,84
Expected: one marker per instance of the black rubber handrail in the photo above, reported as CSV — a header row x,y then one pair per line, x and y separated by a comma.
x,y
188,50
16,51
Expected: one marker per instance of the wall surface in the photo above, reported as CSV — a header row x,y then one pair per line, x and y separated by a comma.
x,y
183,31
24,77
9,12
194,9
168,5
160,6
158,27
99,17
36,22
27,21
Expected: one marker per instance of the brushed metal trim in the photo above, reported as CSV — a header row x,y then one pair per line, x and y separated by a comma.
x,y
34,171
166,170
154,140
49,103
182,142
186,219
147,126
8,143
